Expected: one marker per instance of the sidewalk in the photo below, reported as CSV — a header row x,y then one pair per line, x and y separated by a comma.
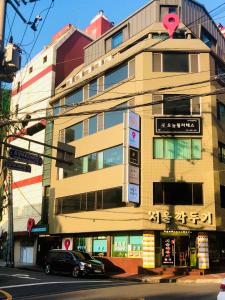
x,y
164,278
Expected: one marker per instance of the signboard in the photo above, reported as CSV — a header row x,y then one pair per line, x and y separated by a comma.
x,y
134,138
133,174
25,156
203,251
178,126
39,229
134,157
67,243
12,165
148,250
133,193
168,251
134,121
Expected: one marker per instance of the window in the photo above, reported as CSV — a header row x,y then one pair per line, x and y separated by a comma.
x,y
117,39
127,246
93,88
113,156
208,39
92,125
165,9
177,193
75,97
74,132
103,199
56,108
112,118
221,152
221,112
45,58
96,161
175,62
175,104
179,148
222,196
116,75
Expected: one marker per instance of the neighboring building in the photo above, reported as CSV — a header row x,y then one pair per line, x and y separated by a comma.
x,y
148,194
32,88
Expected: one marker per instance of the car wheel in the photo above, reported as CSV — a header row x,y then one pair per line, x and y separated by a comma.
x,y
76,272
47,269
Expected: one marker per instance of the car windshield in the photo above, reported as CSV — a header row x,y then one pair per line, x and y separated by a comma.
x,y
82,255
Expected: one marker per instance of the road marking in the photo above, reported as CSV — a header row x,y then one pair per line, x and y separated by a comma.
x,y
8,296
53,282
21,276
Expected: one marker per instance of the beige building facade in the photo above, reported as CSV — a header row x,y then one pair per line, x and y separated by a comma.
x,y
146,116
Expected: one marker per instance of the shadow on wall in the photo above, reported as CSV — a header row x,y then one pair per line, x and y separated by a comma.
x,y
110,267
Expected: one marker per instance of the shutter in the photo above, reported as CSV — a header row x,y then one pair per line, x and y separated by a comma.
x,y
157,62
86,127
100,121
62,136
100,84
108,45
194,63
131,68
157,108
196,106
85,91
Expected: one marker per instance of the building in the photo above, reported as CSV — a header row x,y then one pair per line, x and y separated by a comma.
x,y
32,87
147,187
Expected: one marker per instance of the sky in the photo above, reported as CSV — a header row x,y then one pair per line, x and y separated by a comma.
x,y
76,12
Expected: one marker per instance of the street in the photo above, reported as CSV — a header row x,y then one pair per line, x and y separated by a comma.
x,y
23,284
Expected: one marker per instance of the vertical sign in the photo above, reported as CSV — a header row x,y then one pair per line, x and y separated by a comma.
x,y
133,153
168,251
203,251
148,250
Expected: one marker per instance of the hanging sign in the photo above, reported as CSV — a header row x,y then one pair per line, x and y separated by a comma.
x,y
168,251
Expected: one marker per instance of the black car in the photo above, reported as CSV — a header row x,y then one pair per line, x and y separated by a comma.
x,y
76,263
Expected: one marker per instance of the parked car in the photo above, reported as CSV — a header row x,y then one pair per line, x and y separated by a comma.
x,y
221,295
76,263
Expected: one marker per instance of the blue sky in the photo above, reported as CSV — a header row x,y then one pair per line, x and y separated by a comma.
x,y
78,13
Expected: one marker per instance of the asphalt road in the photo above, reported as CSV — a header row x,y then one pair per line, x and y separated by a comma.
x,y
21,284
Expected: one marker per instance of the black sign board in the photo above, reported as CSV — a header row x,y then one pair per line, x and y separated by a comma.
x,y
10,164
184,126
25,156
168,251
134,157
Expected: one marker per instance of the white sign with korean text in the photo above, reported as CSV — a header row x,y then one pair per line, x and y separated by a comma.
x,y
134,121
133,193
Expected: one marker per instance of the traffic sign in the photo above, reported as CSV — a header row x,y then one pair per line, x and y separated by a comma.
x,y
12,165
25,156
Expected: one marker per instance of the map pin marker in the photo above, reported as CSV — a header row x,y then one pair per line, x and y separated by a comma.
x,y
67,244
171,22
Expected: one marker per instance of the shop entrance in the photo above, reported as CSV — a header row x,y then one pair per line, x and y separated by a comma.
x,y
175,251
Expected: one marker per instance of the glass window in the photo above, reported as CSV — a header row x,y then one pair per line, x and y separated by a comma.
x,y
74,132
221,152
207,38
56,108
112,198
179,148
120,246
171,106
99,246
92,162
116,75
175,62
177,193
91,201
112,118
93,88
70,204
113,156
117,39
93,125
100,160
221,112
222,196
75,97
85,164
